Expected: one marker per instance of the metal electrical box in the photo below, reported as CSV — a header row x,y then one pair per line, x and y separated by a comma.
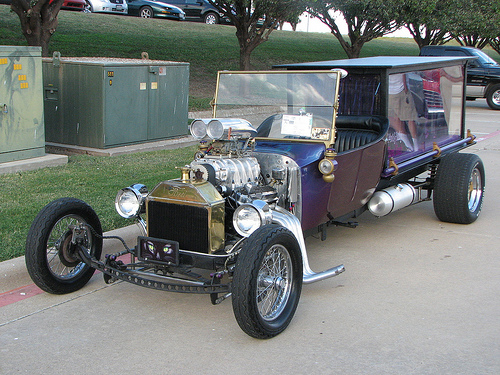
x,y
21,103
109,102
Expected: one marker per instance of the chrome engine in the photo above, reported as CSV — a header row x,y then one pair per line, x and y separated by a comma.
x,y
230,174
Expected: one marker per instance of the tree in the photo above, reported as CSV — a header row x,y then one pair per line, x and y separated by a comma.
x,y
427,21
365,19
255,21
475,22
38,20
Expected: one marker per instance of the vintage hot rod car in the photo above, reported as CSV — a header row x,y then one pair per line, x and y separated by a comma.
x,y
287,153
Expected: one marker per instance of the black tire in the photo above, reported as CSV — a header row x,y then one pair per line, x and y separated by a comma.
x,y
211,18
146,12
282,289
459,188
493,96
49,259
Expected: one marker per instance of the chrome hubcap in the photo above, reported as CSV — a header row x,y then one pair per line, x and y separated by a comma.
x,y
475,190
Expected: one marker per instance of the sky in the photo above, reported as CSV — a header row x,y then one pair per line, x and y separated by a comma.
x,y
310,24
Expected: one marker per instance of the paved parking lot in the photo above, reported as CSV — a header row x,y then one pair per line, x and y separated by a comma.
x,y
418,297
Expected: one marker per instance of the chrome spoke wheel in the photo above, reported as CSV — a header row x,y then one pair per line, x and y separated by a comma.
x,y
51,259
274,282
267,281
61,262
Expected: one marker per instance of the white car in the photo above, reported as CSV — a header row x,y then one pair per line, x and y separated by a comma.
x,y
107,6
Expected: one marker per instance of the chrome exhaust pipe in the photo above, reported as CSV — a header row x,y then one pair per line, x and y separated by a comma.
x,y
284,218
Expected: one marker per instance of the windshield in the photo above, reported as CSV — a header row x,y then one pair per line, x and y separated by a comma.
x,y
281,104
485,59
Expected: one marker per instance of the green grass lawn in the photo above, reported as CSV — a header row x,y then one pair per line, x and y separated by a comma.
x,y
208,48
93,179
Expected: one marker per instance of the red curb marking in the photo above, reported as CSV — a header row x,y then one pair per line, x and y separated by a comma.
x,y
19,294
491,135
23,292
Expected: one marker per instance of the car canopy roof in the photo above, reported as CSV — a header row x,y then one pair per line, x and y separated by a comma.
x,y
395,64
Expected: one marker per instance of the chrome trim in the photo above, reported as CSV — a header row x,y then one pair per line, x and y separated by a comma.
x,y
143,225
289,221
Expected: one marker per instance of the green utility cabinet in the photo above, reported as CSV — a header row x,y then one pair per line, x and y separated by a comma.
x,y
21,103
109,102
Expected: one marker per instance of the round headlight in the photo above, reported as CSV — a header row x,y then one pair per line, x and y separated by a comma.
x,y
246,220
128,202
326,166
198,129
249,217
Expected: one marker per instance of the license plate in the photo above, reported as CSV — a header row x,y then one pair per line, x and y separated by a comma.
x,y
158,250
119,7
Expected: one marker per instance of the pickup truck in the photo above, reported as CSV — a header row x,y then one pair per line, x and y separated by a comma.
x,y
483,73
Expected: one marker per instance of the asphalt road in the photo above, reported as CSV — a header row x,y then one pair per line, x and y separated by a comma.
x,y
418,297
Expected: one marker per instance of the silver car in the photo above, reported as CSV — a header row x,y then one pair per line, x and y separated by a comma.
x,y
107,6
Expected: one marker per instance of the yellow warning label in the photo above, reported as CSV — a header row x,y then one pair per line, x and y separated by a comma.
x,y
18,66
24,85
21,77
154,85
3,61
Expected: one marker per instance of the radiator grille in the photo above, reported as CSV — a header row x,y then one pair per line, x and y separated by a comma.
x,y
185,224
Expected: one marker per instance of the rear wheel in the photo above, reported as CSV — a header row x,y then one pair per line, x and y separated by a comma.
x,y
459,188
146,12
50,259
267,282
493,96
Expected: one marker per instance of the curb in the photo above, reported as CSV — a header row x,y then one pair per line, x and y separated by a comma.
x,y
13,273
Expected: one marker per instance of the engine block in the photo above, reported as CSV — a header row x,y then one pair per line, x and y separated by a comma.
x,y
231,173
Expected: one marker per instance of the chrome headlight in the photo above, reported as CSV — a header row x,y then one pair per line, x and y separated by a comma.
x,y
249,217
129,201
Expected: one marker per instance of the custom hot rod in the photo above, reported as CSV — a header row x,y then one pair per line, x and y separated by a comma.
x,y
288,153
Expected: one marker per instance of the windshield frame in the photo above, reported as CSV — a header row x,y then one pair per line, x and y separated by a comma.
x,y
216,103
485,58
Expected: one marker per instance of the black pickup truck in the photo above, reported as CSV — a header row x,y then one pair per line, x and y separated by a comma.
x,y
483,73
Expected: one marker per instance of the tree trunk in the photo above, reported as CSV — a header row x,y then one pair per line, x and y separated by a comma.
x,y
38,21
245,59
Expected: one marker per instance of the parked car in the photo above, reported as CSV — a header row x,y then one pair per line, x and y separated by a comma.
x,y
106,6
154,8
200,10
314,145
76,5
483,73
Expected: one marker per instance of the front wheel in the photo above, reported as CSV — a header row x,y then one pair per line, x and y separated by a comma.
x,y
459,188
211,18
493,96
146,12
267,282
50,259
